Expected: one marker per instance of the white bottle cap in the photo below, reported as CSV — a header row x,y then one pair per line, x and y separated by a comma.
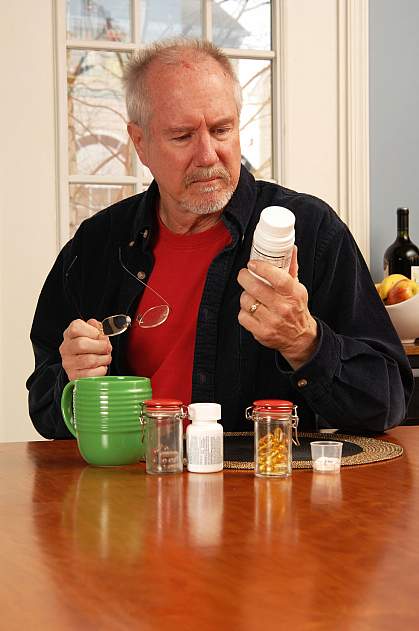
x,y
204,412
277,221
274,232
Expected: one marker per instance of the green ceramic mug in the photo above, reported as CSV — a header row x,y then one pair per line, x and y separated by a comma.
x,y
103,413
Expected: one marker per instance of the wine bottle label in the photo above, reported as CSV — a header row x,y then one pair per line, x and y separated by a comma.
x,y
414,273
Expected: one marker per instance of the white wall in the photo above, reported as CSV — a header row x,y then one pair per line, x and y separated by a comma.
x,y
310,95
27,196
394,121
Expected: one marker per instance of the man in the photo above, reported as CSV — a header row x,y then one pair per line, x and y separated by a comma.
x,y
320,337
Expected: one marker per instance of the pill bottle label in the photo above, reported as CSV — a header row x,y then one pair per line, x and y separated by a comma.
x,y
282,260
205,450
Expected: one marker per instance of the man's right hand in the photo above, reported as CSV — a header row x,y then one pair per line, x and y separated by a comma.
x,y
85,351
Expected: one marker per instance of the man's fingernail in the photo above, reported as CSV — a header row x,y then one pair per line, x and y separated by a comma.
x,y
251,265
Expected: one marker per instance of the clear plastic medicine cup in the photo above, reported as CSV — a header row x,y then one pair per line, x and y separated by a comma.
x,y
326,455
274,421
163,424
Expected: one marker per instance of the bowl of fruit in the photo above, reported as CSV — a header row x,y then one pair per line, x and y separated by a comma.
x,y
401,298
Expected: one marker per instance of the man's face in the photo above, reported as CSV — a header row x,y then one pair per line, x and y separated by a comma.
x,y
191,145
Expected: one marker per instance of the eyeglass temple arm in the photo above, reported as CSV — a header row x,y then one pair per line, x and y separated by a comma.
x,y
140,281
70,291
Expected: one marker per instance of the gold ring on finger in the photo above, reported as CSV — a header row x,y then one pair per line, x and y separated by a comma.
x,y
253,307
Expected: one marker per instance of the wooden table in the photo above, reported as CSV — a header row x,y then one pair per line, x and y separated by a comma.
x,y
87,548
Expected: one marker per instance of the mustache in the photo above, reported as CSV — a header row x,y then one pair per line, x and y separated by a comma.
x,y
207,173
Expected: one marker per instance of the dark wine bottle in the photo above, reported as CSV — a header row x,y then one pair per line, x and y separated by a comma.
x,y
402,256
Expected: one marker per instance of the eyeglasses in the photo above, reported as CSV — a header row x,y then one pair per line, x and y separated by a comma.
x,y
151,318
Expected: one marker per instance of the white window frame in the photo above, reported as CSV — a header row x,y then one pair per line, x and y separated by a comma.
x,y
65,179
352,124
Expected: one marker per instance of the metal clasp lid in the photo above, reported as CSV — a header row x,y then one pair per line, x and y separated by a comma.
x,y
174,406
171,406
177,408
294,424
275,406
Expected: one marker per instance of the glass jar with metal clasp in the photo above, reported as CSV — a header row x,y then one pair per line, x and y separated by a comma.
x,y
162,421
274,421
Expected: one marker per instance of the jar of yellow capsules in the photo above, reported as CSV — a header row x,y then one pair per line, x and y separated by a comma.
x,y
274,422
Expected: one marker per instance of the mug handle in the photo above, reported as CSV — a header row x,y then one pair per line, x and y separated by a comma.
x,y
67,407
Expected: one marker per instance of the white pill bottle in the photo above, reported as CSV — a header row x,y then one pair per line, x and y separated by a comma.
x,y
274,237
204,438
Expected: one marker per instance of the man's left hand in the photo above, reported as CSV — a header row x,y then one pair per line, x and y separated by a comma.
x,y
277,314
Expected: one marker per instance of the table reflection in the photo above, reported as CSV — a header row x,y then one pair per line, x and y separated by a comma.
x,y
104,514
326,489
115,514
165,506
272,505
205,508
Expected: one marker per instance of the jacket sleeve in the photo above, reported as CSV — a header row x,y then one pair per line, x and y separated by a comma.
x,y
53,314
359,379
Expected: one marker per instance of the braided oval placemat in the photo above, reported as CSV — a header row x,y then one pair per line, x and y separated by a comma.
x,y
356,450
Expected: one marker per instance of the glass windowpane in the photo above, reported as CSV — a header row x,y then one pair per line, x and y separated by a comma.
x,y
88,199
98,140
97,136
242,24
107,20
256,116
170,18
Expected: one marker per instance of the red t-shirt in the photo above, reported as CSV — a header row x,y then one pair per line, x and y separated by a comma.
x,y
165,353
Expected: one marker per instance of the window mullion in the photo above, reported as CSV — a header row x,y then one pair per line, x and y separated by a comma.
x,y
206,9
136,25
243,53
277,104
136,22
105,45
102,179
63,205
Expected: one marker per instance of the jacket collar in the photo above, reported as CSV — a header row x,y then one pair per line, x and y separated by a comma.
x,y
239,207
145,216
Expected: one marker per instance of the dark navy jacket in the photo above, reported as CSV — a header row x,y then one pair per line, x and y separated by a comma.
x,y
359,379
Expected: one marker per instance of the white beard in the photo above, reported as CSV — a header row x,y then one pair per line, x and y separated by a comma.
x,y
206,207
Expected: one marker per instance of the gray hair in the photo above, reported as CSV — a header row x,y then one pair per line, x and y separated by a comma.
x,y
170,52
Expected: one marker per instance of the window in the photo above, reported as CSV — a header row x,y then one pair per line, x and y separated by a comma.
x,y
98,165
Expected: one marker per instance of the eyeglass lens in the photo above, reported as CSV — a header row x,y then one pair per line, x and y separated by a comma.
x,y
153,316
117,324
